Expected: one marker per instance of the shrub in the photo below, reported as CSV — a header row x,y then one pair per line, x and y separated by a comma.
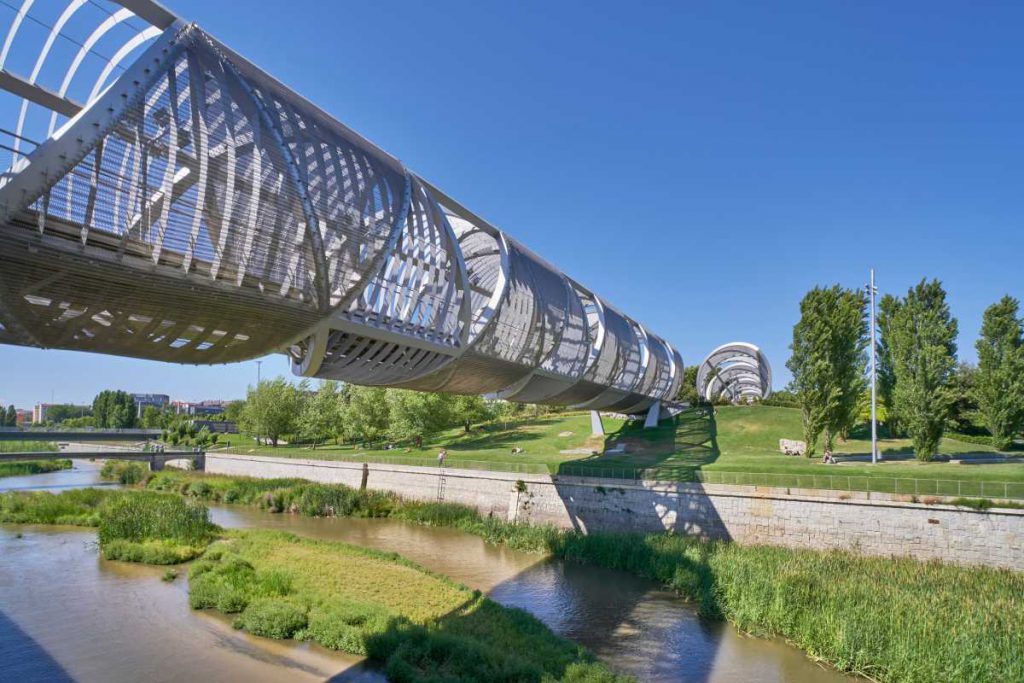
x,y
347,626
272,618
125,472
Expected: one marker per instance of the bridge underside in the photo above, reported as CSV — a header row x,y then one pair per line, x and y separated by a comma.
x,y
193,209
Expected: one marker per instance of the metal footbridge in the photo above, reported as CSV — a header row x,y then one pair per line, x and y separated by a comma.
x,y
166,199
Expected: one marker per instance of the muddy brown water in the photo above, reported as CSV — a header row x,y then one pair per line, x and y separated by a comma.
x,y
67,614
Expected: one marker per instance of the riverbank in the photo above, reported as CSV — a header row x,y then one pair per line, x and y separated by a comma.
x,y
20,469
887,618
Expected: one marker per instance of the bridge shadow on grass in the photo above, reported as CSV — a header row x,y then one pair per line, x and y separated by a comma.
x,y
673,451
497,437
23,659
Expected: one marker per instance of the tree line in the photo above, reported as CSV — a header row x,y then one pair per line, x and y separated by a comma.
x,y
343,412
921,387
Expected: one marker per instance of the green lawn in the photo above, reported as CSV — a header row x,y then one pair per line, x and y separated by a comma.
x,y
728,447
542,439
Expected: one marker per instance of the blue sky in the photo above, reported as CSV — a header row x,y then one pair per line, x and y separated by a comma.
x,y
700,165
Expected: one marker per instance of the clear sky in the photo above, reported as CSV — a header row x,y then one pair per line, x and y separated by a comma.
x,y
701,165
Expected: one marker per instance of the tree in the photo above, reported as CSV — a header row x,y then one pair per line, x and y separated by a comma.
x,y
233,410
887,308
321,414
921,339
10,417
152,417
828,361
366,414
688,391
418,414
272,409
1000,379
469,409
964,416
114,409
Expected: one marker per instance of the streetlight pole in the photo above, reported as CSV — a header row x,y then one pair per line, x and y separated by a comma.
x,y
872,290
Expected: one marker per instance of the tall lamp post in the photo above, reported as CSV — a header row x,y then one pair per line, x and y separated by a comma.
x,y
872,291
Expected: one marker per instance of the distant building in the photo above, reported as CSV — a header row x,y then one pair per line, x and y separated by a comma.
x,y
24,417
158,401
200,408
40,412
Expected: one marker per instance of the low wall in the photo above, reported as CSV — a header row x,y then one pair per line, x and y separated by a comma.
x,y
751,515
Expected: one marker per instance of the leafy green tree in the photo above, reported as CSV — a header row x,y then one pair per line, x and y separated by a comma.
x,y
60,412
468,410
10,417
887,308
233,410
1000,380
965,416
828,362
114,409
366,413
418,414
79,422
272,409
152,417
921,339
688,390
321,414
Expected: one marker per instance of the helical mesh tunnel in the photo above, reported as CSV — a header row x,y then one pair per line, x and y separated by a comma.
x,y
190,208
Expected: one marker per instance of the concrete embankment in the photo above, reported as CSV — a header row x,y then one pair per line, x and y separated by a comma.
x,y
871,524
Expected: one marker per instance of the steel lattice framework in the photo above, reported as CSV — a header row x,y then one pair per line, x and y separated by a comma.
x,y
737,370
184,206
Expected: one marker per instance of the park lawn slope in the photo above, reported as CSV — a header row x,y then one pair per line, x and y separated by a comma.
x,y
418,625
696,445
542,439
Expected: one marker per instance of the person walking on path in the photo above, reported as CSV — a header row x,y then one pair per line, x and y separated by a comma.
x,y
441,456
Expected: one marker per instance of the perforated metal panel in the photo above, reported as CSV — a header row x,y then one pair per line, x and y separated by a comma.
x,y
177,203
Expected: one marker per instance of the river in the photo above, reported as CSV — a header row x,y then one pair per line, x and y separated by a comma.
x,y
66,613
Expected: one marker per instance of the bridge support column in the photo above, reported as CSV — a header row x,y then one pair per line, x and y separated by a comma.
x,y
199,462
596,425
156,463
653,416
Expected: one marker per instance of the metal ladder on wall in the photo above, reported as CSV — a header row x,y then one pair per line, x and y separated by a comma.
x,y
442,482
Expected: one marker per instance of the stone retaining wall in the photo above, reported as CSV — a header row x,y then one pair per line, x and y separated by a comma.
x,y
874,524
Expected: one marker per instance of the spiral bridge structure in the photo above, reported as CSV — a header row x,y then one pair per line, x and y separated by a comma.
x,y
166,199
737,371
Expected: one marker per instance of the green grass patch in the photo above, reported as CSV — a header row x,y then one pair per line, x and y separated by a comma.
x,y
21,468
417,625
